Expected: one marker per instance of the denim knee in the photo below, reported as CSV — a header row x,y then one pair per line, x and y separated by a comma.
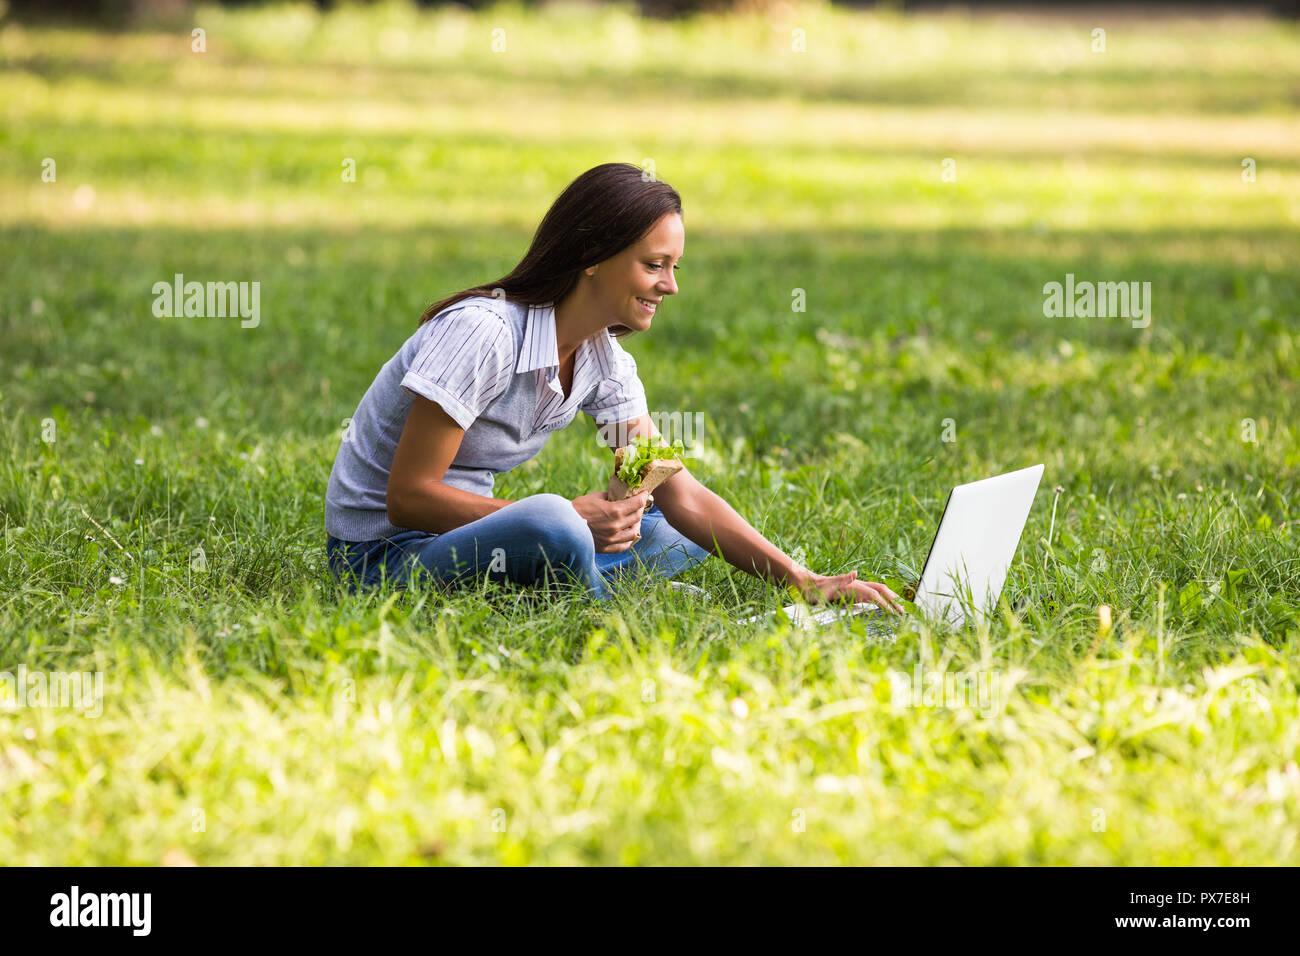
x,y
552,521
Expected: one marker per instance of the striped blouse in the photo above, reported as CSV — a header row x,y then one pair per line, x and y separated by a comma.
x,y
493,366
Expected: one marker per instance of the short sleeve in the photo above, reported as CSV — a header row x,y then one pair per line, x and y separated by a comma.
x,y
620,397
464,363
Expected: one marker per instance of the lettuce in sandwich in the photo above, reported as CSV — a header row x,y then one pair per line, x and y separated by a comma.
x,y
644,466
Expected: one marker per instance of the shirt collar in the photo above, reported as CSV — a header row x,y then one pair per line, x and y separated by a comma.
x,y
541,350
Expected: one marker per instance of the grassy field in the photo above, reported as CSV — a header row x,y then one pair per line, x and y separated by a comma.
x,y
162,480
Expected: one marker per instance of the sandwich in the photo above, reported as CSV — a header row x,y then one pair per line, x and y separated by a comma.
x,y
641,466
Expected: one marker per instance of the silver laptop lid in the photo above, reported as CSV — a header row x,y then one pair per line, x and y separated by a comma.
x,y
977,538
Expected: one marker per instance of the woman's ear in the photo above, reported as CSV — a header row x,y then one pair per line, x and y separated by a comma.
x,y
591,270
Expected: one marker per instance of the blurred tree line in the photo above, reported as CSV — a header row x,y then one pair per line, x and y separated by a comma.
x,y
122,13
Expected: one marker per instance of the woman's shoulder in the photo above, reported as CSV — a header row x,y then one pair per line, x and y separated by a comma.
x,y
467,315
464,321
509,312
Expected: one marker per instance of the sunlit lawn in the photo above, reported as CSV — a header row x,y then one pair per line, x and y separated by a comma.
x,y
253,714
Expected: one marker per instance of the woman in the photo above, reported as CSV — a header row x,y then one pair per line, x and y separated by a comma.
x,y
486,378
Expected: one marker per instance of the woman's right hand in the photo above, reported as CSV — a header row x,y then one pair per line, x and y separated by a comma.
x,y
847,589
615,525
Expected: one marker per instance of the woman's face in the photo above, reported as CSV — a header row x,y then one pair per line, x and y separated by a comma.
x,y
633,283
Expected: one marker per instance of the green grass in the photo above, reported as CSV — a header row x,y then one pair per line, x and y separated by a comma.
x,y
254,715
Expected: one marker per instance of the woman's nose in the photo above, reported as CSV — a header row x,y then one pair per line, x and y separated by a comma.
x,y
669,285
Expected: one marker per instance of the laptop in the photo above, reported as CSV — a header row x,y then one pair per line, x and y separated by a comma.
x,y
962,578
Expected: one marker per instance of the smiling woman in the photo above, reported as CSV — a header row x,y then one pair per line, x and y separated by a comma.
x,y
490,373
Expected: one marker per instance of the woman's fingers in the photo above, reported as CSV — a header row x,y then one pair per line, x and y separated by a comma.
x,y
616,539
859,592
619,542
633,504
883,596
846,588
626,526
630,533
894,599
838,588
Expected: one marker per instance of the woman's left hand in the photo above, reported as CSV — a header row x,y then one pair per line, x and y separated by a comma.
x,y
846,588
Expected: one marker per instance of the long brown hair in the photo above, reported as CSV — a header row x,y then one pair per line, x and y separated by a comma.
x,y
599,214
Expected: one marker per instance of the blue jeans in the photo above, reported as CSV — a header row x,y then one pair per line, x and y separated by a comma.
x,y
538,539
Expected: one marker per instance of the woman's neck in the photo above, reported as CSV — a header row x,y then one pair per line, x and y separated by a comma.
x,y
577,318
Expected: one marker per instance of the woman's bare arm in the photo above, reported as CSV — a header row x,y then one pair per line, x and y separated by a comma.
x,y
715,526
416,496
